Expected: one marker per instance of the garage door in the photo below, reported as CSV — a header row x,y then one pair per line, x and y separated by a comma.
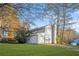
x,y
33,39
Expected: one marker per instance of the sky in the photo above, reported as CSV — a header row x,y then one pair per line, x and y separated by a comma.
x,y
33,12
76,19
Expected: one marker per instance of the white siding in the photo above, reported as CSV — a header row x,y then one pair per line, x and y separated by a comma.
x,y
40,38
48,34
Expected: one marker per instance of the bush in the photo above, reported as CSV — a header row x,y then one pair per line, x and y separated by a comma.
x,y
22,35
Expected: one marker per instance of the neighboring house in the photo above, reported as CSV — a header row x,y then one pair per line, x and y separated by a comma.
x,y
42,35
75,42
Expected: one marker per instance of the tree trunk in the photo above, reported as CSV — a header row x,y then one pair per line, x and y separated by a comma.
x,y
64,15
55,34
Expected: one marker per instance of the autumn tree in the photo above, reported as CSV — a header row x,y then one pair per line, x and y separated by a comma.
x,y
9,21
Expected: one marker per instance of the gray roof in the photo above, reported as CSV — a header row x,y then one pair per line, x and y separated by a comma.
x,y
38,30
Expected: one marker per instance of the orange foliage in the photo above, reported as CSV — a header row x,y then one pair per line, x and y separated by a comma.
x,y
9,20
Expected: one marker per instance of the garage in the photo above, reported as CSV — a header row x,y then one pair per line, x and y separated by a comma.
x,y
33,39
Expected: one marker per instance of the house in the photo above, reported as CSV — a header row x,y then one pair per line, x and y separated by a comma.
x,y
75,42
42,35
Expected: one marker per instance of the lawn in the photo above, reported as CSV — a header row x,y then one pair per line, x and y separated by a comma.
x,y
34,50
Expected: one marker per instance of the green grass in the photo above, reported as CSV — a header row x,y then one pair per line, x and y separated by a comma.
x,y
34,50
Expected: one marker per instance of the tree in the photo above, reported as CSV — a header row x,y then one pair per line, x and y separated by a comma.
x,y
62,12
9,21
22,35
58,13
